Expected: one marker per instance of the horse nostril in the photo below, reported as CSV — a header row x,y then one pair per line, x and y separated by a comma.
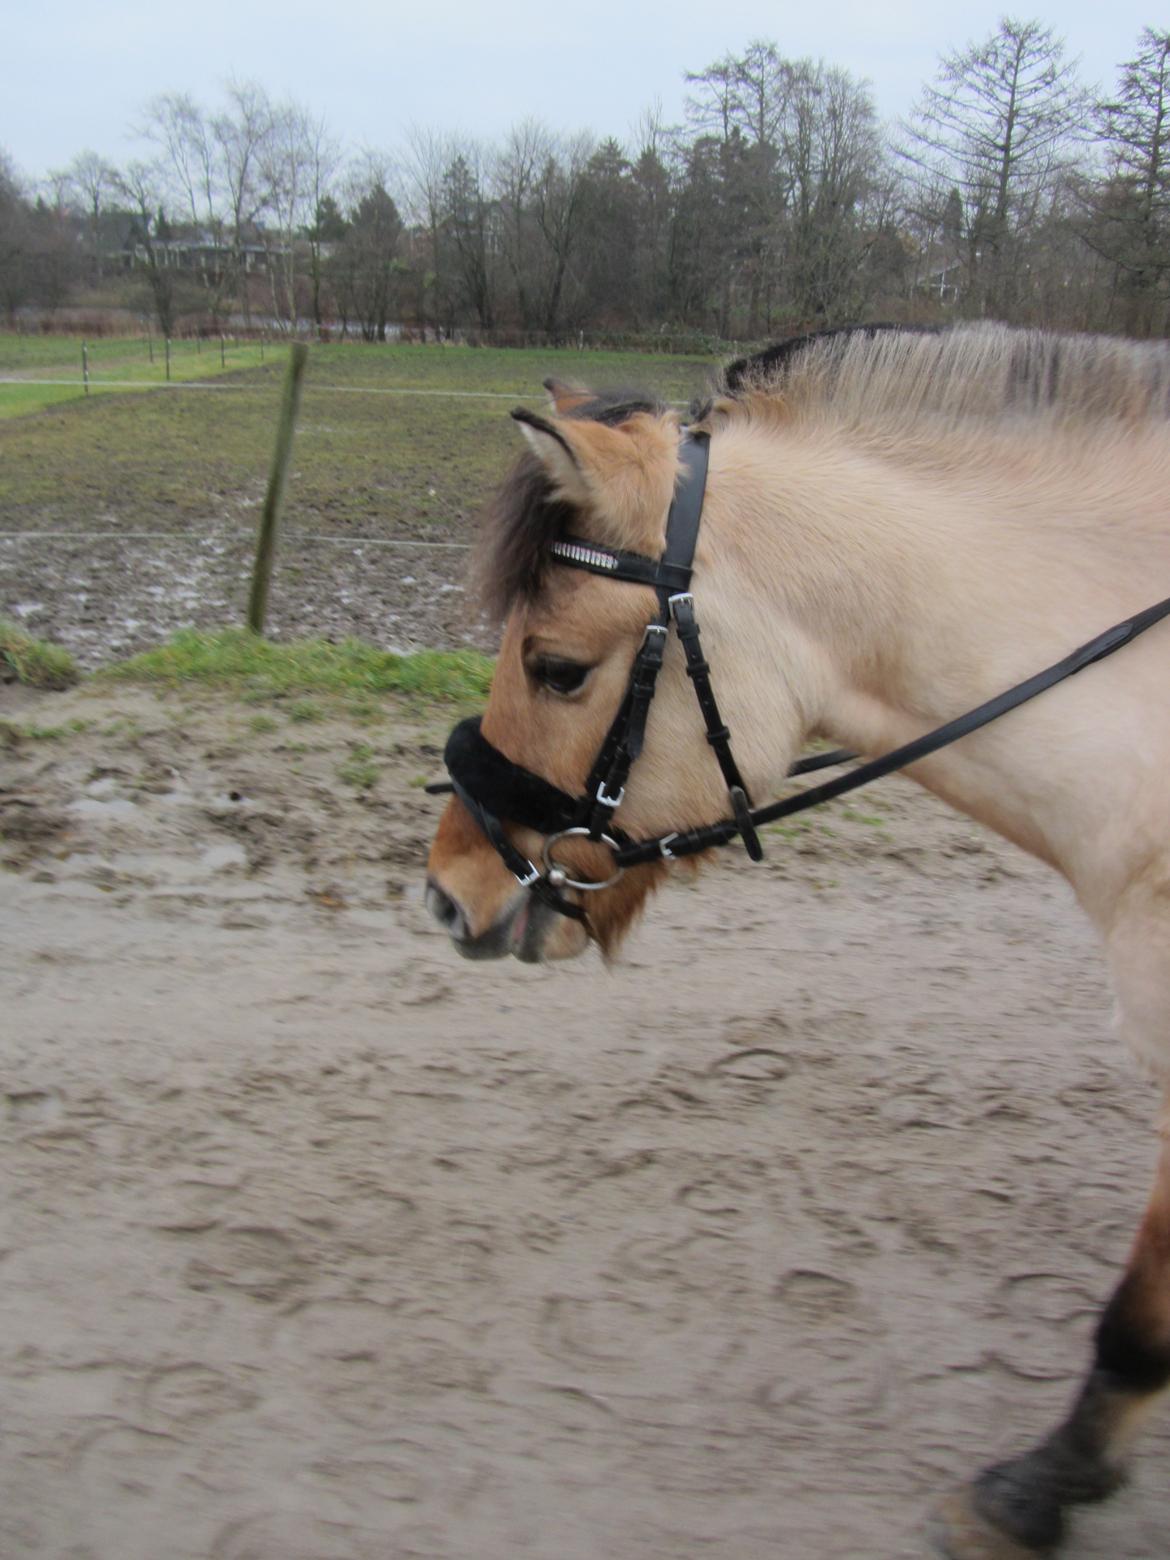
x,y
446,911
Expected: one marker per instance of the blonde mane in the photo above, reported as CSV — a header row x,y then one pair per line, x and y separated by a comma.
x,y
885,380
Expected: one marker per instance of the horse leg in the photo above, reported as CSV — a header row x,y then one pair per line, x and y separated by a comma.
x,y
1017,1509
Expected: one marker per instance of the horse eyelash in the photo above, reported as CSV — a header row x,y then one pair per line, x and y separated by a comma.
x,y
545,670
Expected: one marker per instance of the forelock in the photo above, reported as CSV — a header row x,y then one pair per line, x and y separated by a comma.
x,y
524,516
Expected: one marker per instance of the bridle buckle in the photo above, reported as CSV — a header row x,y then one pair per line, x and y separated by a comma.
x,y
604,799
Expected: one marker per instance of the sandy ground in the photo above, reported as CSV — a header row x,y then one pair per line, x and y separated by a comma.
x,y
318,1244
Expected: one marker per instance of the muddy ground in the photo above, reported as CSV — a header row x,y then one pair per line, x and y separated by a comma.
x,y
319,1244
108,596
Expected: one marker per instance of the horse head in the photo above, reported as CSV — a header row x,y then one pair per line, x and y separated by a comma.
x,y
604,470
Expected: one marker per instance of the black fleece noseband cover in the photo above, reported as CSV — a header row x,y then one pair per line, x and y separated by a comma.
x,y
502,787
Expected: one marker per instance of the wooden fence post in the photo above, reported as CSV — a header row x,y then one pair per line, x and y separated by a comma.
x,y
168,360
266,541
85,365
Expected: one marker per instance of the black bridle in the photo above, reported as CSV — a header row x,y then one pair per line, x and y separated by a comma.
x,y
492,787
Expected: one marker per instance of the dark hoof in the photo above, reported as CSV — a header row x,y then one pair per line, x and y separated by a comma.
x,y
961,1532
1018,1498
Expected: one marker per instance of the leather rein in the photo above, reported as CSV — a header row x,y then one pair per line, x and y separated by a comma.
x,y
492,787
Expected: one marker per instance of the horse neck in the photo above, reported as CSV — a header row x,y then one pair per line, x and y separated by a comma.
x,y
858,574
885,597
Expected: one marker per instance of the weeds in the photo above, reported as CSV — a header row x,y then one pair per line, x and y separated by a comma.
x,y
34,662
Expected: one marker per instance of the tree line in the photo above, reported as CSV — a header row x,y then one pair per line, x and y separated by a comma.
x,y
1011,190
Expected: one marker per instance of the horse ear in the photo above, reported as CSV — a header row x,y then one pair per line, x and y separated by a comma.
x,y
621,477
555,454
566,398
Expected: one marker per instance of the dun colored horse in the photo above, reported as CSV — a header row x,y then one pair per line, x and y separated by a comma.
x,y
897,526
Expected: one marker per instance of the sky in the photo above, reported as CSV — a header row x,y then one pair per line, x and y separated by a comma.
x,y
74,74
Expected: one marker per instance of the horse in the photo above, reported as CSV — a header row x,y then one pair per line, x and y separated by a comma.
x,y
896,525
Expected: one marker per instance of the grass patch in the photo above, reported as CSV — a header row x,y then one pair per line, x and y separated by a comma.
x,y
359,769
237,660
28,731
35,662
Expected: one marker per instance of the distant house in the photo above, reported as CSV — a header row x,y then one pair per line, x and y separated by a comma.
x,y
203,255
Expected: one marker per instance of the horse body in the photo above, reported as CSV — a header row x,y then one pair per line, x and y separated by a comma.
x,y
894,530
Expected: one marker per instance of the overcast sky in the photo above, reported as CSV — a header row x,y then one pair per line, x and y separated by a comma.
x,y
73,73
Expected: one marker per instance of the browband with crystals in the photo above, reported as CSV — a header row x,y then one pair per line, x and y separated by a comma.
x,y
586,555
661,574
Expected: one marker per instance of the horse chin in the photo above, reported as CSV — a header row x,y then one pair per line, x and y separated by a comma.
x,y
532,931
538,934
528,930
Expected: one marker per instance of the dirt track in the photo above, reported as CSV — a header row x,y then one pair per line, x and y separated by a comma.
x,y
319,1244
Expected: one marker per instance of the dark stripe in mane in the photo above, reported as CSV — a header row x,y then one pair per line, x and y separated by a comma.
x,y
524,516
768,366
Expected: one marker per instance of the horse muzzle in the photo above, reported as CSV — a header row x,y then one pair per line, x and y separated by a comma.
x,y
528,929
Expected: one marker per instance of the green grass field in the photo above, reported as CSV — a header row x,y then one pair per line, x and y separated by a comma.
x,y
373,456
116,364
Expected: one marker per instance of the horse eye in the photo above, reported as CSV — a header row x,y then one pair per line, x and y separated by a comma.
x,y
558,675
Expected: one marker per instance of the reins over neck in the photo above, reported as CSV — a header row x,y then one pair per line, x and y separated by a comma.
x,y
491,786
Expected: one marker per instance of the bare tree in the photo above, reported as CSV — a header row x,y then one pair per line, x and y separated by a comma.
x,y
298,159
143,187
88,183
242,135
469,233
833,155
1129,206
429,153
999,124
558,208
324,226
181,131
525,152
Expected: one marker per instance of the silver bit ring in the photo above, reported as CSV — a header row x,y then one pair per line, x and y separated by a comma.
x,y
563,880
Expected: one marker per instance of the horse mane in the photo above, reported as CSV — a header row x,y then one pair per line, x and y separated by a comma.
x,y
892,378
524,516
